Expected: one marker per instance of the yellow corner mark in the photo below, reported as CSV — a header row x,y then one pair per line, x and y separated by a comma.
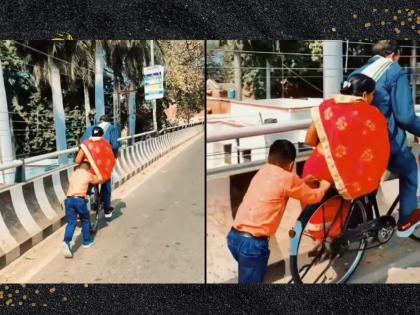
x,y
63,36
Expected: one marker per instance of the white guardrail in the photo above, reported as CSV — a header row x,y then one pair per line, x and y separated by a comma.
x,y
22,162
260,130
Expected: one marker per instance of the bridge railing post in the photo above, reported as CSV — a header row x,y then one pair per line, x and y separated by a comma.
x,y
20,173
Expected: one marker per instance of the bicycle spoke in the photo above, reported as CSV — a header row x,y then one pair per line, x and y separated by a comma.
x,y
313,262
323,220
326,268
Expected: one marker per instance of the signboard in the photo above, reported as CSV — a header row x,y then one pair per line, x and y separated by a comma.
x,y
153,82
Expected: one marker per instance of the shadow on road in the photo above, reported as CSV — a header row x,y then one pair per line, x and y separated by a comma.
x,y
275,272
119,207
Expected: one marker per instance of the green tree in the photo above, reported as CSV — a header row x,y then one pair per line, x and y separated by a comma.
x,y
126,59
185,86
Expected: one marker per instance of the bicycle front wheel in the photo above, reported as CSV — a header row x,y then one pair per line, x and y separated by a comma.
x,y
312,258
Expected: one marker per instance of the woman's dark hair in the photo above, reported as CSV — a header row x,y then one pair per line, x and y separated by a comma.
x,y
282,152
97,131
357,84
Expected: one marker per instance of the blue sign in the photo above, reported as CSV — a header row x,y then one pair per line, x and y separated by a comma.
x,y
153,82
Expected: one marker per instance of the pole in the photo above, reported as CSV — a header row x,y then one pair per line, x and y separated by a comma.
x,y
282,77
6,147
333,67
99,81
237,75
132,111
267,80
152,63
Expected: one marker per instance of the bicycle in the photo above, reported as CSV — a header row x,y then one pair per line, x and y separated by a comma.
x,y
330,252
97,207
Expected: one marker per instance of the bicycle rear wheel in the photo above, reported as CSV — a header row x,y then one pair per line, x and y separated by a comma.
x,y
312,258
97,208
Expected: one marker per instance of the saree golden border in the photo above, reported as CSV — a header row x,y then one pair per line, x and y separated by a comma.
x,y
338,181
91,161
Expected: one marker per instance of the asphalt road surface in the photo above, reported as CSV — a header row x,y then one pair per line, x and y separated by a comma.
x,y
156,234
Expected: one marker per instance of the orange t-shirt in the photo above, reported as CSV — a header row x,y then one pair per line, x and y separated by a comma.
x,y
79,183
263,205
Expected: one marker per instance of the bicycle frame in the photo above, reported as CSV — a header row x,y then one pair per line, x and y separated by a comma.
x,y
371,203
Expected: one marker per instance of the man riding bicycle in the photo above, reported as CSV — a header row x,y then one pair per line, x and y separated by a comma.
x,y
111,134
394,99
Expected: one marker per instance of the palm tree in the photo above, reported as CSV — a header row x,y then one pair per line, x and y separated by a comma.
x,y
49,58
81,68
126,58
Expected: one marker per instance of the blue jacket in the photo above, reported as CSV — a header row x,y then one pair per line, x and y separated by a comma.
x,y
394,99
112,133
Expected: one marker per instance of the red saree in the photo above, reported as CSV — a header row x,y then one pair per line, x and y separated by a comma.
x,y
355,145
99,154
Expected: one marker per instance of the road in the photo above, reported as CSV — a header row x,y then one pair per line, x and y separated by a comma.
x,y
155,236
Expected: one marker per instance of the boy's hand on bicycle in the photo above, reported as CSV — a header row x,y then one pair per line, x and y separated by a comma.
x,y
309,179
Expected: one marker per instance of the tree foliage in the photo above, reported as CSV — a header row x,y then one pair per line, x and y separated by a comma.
x,y
29,96
184,83
296,66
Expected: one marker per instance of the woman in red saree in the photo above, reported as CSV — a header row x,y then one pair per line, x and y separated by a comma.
x,y
351,148
98,153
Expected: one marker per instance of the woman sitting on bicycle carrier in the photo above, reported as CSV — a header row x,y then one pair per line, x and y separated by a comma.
x,y
99,154
351,146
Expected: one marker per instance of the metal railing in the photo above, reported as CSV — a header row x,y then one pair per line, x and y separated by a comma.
x,y
21,164
137,135
260,130
252,131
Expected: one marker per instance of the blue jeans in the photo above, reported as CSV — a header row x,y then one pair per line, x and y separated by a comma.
x,y
251,255
106,189
404,165
74,207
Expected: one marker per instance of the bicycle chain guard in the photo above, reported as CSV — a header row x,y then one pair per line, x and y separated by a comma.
x,y
380,230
